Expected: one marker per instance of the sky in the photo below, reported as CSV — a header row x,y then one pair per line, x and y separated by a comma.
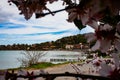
x,y
14,29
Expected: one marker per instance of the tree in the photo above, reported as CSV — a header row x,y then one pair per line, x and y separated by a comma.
x,y
30,57
102,15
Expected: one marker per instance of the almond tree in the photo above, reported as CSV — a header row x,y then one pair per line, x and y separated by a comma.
x,y
102,15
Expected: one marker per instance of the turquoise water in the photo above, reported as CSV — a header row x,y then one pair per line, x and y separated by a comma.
x,y
8,59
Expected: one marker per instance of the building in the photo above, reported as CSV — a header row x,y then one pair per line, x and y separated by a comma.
x,y
69,47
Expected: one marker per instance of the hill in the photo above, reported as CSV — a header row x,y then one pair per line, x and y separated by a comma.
x,y
58,44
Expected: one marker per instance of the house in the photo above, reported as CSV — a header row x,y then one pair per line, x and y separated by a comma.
x,y
69,46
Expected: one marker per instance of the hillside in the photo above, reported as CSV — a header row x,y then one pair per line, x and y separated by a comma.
x,y
58,44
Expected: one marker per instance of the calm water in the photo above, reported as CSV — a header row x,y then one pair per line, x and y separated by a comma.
x,y
8,59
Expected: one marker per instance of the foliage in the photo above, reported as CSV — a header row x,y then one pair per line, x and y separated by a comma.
x,y
41,65
60,43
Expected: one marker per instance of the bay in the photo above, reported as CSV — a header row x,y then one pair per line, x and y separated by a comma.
x,y
8,59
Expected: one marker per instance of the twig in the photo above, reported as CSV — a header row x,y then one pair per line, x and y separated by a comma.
x,y
53,76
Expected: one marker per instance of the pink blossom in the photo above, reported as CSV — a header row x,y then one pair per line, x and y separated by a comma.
x,y
2,75
72,15
105,69
105,45
116,59
113,5
118,27
29,7
21,72
51,1
96,46
104,35
97,62
90,37
85,17
117,44
91,10
109,71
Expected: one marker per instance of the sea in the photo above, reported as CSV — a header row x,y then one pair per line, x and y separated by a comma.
x,y
9,58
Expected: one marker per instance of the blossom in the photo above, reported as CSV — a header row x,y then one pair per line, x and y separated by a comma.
x,y
97,62
2,75
87,10
108,71
111,71
72,14
33,73
105,36
21,72
28,7
51,1
118,27
90,13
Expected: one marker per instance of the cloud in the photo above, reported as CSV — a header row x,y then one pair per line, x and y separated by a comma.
x,y
6,11
4,16
7,25
31,38
15,29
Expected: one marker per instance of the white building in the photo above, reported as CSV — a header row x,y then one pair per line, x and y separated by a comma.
x,y
69,46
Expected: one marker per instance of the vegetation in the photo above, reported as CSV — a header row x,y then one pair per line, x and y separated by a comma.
x,y
41,65
44,65
58,44
30,58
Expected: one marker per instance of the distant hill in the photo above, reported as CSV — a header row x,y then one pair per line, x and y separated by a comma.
x,y
58,44
75,39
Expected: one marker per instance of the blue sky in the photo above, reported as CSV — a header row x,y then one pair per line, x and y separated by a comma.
x,y
15,29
